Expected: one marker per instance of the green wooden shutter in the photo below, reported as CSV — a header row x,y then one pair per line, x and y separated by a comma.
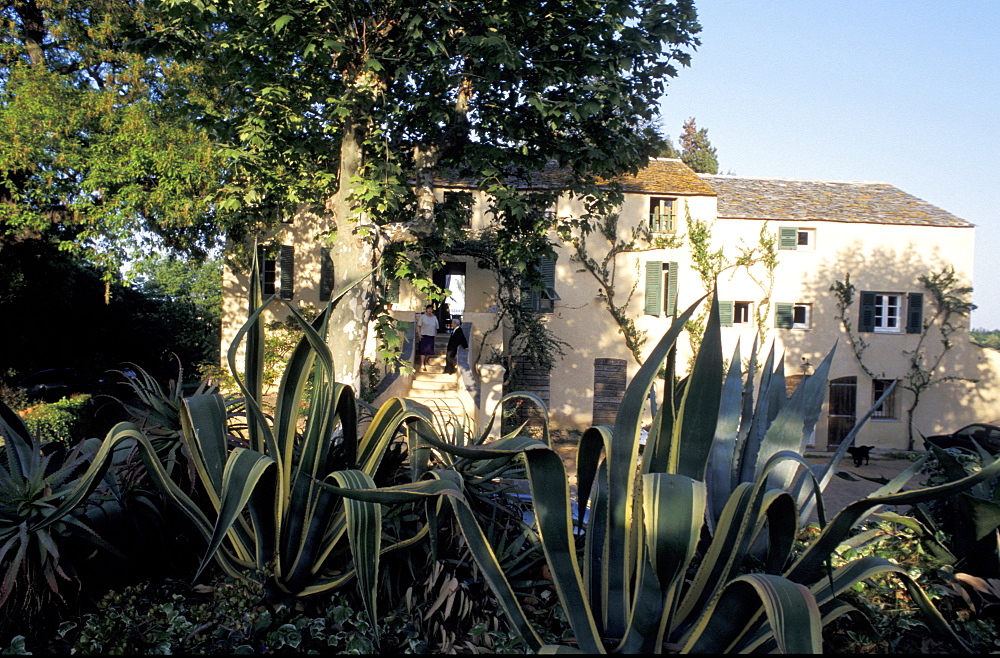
x,y
672,289
784,315
325,274
867,320
287,271
914,312
788,237
654,296
726,314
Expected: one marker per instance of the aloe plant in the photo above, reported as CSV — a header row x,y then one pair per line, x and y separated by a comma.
x,y
666,546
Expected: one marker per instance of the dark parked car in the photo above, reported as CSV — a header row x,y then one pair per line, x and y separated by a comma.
x,y
986,435
52,384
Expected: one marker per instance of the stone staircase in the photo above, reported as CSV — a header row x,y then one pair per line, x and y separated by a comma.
x,y
436,389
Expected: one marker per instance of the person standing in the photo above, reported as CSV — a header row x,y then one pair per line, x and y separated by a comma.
x,y
427,328
457,340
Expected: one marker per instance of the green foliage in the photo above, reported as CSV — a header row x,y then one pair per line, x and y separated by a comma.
x,y
59,421
696,151
986,338
44,490
91,139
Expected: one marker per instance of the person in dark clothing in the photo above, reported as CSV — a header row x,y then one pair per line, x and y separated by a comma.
x,y
457,340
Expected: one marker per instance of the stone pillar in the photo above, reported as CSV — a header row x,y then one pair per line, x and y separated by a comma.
x,y
490,393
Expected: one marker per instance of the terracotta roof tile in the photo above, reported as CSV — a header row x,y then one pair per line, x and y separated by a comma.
x,y
804,201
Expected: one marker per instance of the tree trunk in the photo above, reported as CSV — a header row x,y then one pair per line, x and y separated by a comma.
x,y
354,255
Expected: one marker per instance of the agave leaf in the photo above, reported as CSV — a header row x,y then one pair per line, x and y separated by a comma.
x,y
756,420
22,447
243,470
794,422
699,411
841,526
722,463
364,530
622,473
790,609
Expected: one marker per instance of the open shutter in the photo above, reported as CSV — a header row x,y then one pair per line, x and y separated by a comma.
x,y
788,237
548,272
287,271
784,315
867,319
325,275
914,312
654,278
726,314
672,289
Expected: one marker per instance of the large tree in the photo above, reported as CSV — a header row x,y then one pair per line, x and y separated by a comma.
x,y
94,152
356,106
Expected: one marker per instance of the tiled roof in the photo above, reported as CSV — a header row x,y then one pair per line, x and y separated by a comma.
x,y
661,176
803,201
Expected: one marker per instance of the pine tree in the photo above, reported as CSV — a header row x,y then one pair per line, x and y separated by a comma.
x,y
696,151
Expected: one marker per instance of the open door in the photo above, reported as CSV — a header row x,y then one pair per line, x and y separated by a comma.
x,y
451,277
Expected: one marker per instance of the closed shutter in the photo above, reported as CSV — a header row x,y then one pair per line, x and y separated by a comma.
x,y
392,291
784,315
867,319
914,312
726,314
654,278
325,275
287,271
672,289
788,237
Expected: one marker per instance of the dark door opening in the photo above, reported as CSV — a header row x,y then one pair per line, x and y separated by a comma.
x,y
452,278
843,406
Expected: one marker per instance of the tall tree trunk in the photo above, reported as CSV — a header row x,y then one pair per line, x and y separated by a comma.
x,y
354,255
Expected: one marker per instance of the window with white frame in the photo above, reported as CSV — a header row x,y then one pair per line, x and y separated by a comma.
x,y
741,312
792,316
888,309
801,316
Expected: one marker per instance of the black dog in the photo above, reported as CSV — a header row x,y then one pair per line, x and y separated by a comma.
x,y
860,453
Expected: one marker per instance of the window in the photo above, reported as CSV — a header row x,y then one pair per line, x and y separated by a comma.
x,y
662,218
794,238
886,410
542,301
734,313
277,268
884,312
792,316
741,312
661,288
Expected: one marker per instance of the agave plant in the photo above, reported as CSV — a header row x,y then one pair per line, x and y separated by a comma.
x,y
666,547
43,488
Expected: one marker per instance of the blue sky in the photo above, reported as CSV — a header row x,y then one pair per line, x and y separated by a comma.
x,y
905,92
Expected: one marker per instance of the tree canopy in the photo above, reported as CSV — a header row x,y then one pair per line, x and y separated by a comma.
x,y
94,152
357,106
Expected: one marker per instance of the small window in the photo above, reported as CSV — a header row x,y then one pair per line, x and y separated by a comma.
x,y
794,238
661,287
801,316
884,312
741,312
886,410
662,216
792,316
542,301
806,239
268,264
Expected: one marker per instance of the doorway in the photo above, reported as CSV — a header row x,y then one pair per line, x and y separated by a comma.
x,y
452,278
843,406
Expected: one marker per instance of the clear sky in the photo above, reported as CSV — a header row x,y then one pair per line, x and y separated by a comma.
x,y
905,92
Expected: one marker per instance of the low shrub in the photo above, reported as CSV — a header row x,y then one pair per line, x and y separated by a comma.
x,y
64,420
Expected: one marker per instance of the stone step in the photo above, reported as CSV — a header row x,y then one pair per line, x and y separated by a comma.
x,y
432,387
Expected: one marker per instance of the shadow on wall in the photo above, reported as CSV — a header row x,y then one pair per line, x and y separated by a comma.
x,y
972,391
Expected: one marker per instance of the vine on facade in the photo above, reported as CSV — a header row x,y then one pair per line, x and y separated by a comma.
x,y
949,303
